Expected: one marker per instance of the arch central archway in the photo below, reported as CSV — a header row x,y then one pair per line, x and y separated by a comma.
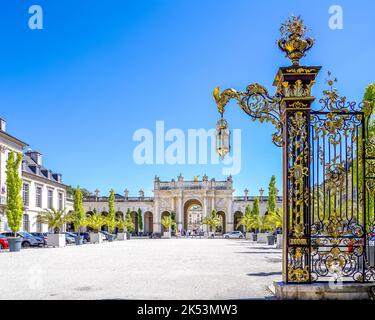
x,y
193,214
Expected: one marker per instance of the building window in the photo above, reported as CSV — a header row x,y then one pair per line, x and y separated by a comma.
x,y
50,199
39,228
26,223
38,199
61,198
25,194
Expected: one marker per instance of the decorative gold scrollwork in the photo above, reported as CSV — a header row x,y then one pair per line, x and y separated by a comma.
x,y
293,42
298,274
257,103
298,89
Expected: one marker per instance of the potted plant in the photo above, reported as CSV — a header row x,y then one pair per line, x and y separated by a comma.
x,y
264,226
110,220
247,221
140,222
125,226
129,224
95,221
77,217
268,223
167,223
277,221
14,209
255,218
212,221
122,225
55,219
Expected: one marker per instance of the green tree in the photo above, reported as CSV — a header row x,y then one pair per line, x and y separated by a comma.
x,y
255,222
356,168
55,219
77,217
110,220
140,221
173,216
255,211
246,220
167,223
95,221
130,227
14,210
71,191
272,192
125,224
212,221
276,219
369,98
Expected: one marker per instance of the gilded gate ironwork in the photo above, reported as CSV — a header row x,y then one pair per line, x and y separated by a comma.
x,y
338,212
328,168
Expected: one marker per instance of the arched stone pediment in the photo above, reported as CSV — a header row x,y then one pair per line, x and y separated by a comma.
x,y
193,199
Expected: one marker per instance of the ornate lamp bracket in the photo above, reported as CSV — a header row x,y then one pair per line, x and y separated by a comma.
x,y
255,102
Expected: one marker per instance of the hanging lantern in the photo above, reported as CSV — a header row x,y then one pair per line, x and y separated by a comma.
x,y
222,138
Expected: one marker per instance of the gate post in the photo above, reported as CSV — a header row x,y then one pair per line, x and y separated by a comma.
x,y
295,83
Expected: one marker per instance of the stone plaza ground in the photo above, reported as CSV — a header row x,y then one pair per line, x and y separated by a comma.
x,y
143,269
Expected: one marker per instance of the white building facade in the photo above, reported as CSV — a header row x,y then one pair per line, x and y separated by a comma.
x,y
190,201
42,189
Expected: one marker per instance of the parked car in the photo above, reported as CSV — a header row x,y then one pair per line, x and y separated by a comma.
x,y
155,235
107,235
233,235
28,240
69,237
42,235
3,242
85,235
372,235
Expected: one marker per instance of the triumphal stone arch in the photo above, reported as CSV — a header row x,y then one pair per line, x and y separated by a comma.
x,y
189,200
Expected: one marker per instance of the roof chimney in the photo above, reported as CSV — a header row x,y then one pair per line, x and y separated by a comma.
x,y
36,156
3,125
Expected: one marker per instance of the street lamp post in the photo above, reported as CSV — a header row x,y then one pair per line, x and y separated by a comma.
x,y
261,190
246,192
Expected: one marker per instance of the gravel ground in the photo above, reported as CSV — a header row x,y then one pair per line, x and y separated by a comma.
x,y
142,269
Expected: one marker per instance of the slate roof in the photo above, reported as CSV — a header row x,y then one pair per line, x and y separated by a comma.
x,y
31,167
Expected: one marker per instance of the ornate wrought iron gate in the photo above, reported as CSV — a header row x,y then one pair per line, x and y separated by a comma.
x,y
330,193
338,211
328,168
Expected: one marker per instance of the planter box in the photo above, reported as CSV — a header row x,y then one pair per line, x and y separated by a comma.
x,y
262,237
122,236
78,240
14,244
167,235
56,240
271,240
96,237
249,236
279,241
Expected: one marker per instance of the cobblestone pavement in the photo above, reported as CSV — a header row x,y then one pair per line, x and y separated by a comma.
x,y
143,269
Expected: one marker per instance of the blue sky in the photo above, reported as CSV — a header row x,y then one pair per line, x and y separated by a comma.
x,y
99,70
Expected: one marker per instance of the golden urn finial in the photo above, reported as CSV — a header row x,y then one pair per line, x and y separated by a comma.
x,y
292,41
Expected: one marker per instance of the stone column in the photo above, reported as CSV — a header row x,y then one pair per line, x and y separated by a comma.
x,y
213,201
180,211
157,218
229,216
205,211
